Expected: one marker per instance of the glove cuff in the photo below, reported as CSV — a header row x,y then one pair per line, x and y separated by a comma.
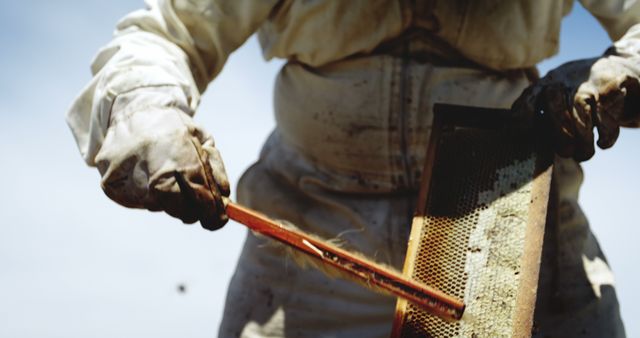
x,y
146,98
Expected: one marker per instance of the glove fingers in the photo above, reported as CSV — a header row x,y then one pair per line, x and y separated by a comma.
x,y
210,209
582,115
217,183
206,207
178,205
218,171
185,212
584,148
524,108
201,199
210,154
608,130
553,102
610,106
631,113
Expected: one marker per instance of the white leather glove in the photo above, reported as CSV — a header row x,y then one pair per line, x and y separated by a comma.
x,y
576,97
157,158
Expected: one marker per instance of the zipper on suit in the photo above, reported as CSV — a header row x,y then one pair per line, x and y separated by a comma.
x,y
405,111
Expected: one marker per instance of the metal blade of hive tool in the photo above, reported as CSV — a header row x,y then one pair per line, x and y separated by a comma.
x,y
368,273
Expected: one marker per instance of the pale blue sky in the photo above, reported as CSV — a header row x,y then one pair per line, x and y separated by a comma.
x,y
74,264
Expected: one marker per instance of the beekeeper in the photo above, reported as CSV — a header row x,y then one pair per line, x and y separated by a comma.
x,y
353,106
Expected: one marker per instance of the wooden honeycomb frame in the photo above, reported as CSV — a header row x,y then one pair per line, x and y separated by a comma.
x,y
478,229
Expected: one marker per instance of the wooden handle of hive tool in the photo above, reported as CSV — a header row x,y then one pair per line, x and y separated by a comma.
x,y
370,273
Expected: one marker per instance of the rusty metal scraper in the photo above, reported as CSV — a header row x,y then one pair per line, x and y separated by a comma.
x,y
478,230
367,272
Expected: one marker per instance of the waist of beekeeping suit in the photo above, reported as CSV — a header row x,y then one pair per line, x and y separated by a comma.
x,y
362,124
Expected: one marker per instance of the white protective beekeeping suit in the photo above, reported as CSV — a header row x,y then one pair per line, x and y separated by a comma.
x,y
353,109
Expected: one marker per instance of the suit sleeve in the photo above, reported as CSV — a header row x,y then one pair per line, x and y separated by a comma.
x,y
616,16
168,53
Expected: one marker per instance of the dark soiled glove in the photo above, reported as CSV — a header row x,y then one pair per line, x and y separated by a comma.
x,y
158,159
575,98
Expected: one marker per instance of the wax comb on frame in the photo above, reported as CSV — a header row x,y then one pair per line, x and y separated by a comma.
x,y
478,230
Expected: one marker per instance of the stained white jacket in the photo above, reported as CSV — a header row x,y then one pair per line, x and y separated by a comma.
x,y
184,44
